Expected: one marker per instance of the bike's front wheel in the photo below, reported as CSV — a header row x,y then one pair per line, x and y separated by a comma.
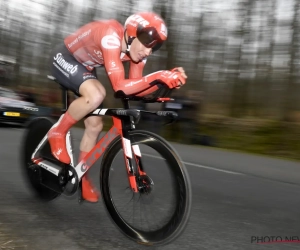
x,y
159,212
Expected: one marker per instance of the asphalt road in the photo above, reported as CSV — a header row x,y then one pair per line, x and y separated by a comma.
x,y
239,202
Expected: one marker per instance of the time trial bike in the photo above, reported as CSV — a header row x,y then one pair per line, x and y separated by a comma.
x,y
144,184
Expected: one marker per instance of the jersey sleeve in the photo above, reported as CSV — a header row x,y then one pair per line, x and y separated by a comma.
x,y
136,69
110,45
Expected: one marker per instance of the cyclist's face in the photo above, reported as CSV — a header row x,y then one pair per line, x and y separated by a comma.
x,y
138,51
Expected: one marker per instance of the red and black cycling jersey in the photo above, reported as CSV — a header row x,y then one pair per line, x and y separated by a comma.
x,y
99,44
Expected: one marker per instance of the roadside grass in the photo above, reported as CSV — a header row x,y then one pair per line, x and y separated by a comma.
x,y
250,135
264,137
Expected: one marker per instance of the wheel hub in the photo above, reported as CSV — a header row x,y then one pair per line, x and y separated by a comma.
x,y
145,184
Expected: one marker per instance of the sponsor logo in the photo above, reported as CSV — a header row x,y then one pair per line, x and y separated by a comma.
x,y
84,34
163,30
133,83
72,43
99,54
121,112
167,113
31,108
112,67
134,19
101,147
88,76
48,168
110,42
61,70
95,59
68,67
83,168
59,151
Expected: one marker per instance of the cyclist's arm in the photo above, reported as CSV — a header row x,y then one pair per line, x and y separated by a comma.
x,y
136,71
115,70
116,73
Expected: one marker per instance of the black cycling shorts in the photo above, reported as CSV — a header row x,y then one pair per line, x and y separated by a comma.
x,y
67,70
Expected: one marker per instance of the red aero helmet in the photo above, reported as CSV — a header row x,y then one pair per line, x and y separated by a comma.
x,y
148,27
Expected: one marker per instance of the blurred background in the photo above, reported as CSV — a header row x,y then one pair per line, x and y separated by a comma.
x,y
242,58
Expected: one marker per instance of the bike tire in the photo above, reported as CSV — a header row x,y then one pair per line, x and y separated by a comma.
x,y
177,223
36,129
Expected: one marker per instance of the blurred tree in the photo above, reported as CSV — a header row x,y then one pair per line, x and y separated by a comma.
x,y
290,93
240,55
19,52
93,9
240,84
58,10
3,22
165,9
197,67
267,98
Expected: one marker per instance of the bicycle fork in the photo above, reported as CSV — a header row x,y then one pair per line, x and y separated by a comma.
x,y
132,153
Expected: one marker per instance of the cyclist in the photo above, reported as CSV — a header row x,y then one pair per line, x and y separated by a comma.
x,y
105,43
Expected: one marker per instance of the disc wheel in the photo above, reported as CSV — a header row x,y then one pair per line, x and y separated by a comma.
x,y
34,133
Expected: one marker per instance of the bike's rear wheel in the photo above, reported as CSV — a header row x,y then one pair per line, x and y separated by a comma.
x,y
34,133
159,213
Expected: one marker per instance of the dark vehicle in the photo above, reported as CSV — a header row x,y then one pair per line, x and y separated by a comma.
x,y
13,109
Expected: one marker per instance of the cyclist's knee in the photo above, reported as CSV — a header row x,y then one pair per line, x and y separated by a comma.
x,y
93,92
95,100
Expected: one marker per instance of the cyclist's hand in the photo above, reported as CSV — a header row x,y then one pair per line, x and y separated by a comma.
x,y
181,70
172,79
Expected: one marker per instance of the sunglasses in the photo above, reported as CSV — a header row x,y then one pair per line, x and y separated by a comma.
x,y
149,37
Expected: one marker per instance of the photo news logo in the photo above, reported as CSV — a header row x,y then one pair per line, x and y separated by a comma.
x,y
274,239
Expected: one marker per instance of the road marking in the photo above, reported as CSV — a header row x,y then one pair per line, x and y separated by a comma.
x,y
212,168
200,166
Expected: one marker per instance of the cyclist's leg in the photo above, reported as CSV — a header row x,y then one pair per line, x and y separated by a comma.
x,y
78,79
92,94
93,127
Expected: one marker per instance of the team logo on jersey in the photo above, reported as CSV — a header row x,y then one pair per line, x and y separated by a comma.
x,y
113,64
110,42
67,67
